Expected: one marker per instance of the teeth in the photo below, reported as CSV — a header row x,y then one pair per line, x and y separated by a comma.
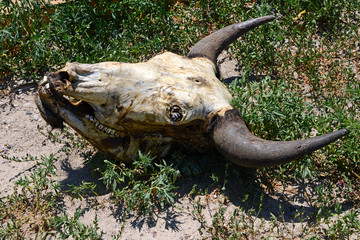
x,y
72,100
44,81
103,128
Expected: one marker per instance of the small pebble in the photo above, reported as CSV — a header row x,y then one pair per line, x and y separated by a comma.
x,y
296,75
28,112
27,105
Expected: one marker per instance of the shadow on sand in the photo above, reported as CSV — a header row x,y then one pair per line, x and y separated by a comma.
x,y
241,183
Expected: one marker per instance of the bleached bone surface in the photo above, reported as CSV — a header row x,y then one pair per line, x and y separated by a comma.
x,y
145,91
148,105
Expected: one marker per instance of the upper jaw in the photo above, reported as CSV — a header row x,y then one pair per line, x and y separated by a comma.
x,y
54,104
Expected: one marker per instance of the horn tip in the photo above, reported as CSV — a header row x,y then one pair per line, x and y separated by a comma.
x,y
265,19
333,136
344,132
270,17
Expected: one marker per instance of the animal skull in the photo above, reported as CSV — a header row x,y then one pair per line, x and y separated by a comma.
x,y
123,107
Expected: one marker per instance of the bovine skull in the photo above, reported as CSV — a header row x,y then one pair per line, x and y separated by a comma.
x,y
123,107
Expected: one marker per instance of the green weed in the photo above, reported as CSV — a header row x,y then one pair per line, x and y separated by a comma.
x,y
33,207
146,186
73,227
83,190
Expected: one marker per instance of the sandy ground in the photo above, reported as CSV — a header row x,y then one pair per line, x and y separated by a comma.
x,y
19,135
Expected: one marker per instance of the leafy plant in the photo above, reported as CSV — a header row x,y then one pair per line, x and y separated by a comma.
x,y
73,227
33,207
145,186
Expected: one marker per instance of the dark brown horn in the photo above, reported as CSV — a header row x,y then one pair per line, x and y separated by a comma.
x,y
211,46
233,139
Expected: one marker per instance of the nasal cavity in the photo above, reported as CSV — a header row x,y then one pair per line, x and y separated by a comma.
x,y
64,76
197,80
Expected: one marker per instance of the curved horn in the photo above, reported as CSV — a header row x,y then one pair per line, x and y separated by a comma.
x,y
211,46
233,139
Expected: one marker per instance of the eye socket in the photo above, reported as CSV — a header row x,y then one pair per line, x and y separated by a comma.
x,y
175,113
